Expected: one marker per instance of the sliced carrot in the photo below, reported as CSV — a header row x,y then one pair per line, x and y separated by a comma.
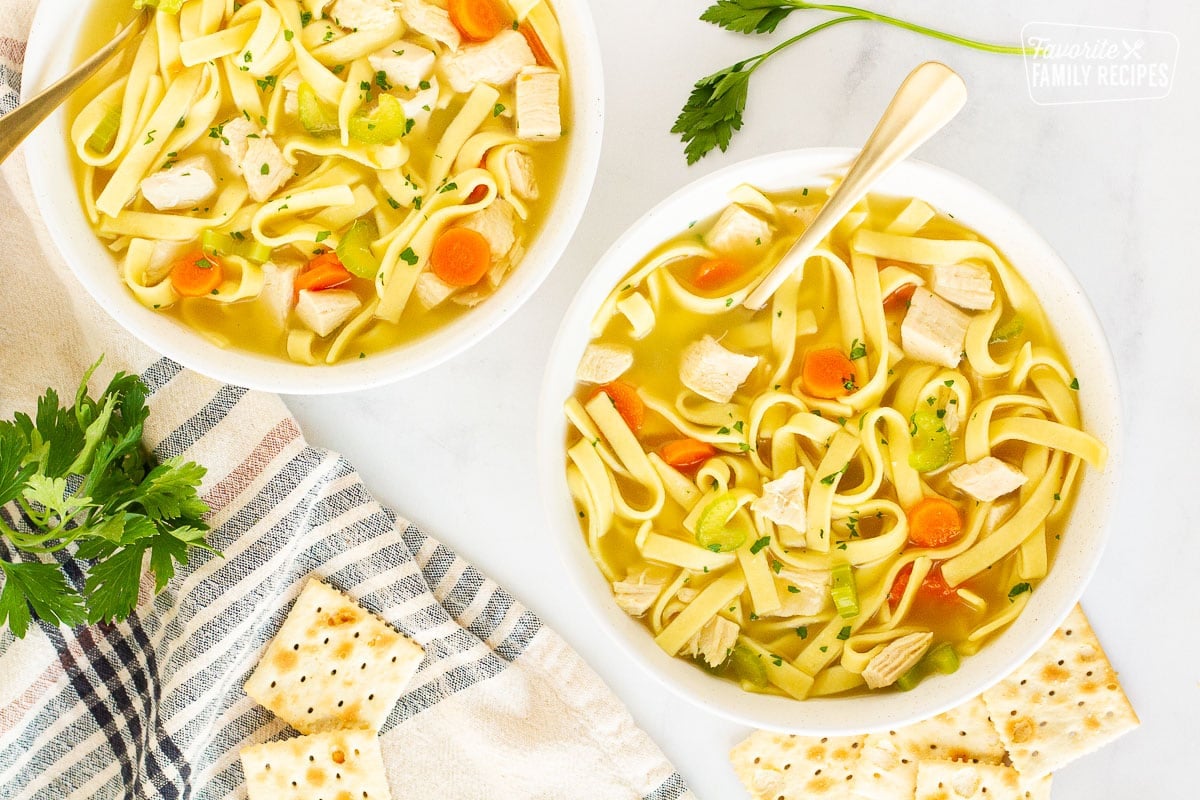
x,y
460,256
323,272
933,522
478,20
629,405
687,454
477,194
712,274
196,274
535,44
934,587
899,299
829,373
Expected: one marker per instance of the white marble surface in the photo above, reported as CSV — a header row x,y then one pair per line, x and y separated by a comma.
x,y
1111,186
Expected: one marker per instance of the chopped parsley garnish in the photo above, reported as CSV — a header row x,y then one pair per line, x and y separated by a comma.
x,y
409,257
323,235
150,136
857,350
831,478
423,85
287,36
802,631
844,633
267,82
497,109
793,589
381,80
449,187
265,169
1075,384
759,545
392,202
305,18
1018,590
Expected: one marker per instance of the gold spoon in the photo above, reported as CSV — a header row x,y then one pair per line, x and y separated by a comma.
x,y
929,98
18,124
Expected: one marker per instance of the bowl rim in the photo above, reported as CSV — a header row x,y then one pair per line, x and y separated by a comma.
x,y
863,713
78,246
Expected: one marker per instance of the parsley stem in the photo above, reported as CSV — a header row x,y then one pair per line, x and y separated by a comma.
x,y
829,23
861,13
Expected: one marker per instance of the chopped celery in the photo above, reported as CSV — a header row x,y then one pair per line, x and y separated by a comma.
x,y
713,530
942,658
102,138
748,667
932,444
239,244
383,124
844,590
354,249
1008,329
909,680
318,117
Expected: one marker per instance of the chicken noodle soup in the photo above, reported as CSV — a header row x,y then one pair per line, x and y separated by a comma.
x,y
323,179
848,490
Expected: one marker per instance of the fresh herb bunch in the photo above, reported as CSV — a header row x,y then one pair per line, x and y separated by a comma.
x,y
713,111
80,475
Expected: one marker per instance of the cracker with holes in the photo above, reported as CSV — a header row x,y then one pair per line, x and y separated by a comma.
x,y
772,765
333,665
337,765
1063,703
956,780
887,769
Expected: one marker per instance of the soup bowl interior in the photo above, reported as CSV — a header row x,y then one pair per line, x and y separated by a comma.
x,y
1076,327
50,54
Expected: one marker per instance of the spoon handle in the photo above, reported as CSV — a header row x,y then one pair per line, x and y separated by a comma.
x,y
929,98
19,123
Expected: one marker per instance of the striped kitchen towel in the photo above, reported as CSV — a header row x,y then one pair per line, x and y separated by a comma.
x,y
154,707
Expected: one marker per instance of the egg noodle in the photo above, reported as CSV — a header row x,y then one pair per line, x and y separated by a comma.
x,y
766,603
411,161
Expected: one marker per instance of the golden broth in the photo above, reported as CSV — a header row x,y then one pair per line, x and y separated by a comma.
x,y
246,323
655,373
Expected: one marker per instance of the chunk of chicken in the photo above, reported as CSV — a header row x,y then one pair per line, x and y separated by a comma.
x,y
327,310
896,659
181,186
603,363
520,174
782,500
987,479
495,62
432,21
291,99
713,642
738,231
968,286
235,134
363,15
264,168
405,64
497,224
279,288
538,115
431,290
802,592
637,593
933,330
711,371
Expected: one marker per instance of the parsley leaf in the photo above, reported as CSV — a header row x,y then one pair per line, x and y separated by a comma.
x,y
81,476
759,545
746,16
1018,590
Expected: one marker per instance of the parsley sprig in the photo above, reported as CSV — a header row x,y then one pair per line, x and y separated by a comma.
x,y
80,478
714,109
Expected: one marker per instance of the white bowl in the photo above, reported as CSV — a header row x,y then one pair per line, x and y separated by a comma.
x,y
50,55
1076,326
